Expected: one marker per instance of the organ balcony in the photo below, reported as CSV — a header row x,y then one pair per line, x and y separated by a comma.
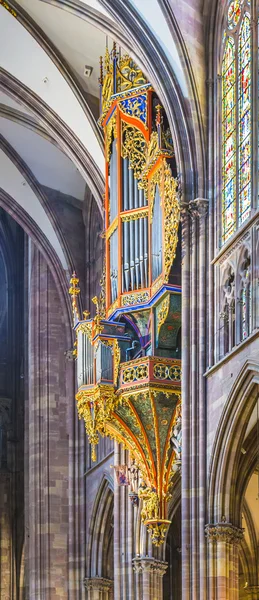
x,y
128,355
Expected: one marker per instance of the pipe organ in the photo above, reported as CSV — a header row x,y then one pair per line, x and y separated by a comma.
x,y
128,355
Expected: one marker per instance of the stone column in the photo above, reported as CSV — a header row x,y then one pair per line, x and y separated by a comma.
x,y
150,572
223,540
253,592
194,317
186,414
47,440
98,588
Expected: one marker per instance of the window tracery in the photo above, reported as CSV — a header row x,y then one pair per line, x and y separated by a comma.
x,y
236,119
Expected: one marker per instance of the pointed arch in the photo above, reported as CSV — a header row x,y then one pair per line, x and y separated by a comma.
x,y
100,548
229,438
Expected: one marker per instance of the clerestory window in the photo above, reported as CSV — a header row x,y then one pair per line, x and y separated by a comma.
x,y
236,118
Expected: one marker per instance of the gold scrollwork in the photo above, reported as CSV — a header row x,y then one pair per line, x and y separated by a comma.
x,y
95,407
162,372
129,75
172,218
162,312
7,7
111,133
137,298
135,373
86,328
134,148
140,214
116,359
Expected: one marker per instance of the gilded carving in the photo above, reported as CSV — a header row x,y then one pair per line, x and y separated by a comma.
x,y
95,406
172,218
111,133
134,148
162,312
135,298
7,7
139,214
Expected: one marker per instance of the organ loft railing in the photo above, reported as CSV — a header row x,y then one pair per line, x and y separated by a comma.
x,y
128,356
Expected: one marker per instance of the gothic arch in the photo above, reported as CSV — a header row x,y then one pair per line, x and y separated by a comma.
x,y
184,114
100,532
153,59
10,205
223,476
67,141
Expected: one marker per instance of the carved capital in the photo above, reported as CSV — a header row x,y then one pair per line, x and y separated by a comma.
x,y
184,212
224,532
199,208
151,565
98,583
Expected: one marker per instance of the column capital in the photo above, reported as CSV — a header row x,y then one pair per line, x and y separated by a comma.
x,y
224,532
199,208
98,583
184,211
148,564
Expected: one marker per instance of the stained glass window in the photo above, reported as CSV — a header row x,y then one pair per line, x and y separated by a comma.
x,y
244,104
236,119
229,140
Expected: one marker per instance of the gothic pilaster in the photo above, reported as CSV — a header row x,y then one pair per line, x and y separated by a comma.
x,y
194,413
98,588
223,545
186,415
252,592
151,572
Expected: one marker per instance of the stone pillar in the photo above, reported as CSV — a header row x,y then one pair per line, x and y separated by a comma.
x,y
186,414
150,577
223,541
98,588
194,317
253,592
47,439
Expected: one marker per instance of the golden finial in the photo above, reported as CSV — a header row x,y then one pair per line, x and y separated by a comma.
x,y
74,290
159,118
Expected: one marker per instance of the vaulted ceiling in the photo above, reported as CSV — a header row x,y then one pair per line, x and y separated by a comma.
x,y
49,107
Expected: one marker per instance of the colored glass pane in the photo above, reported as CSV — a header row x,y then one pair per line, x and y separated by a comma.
x,y
229,141
244,116
234,13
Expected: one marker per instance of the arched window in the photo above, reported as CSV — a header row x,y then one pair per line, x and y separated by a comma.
x,y
236,119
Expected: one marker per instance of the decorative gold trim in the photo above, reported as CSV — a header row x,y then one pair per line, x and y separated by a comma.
x,y
140,214
86,328
95,406
74,291
129,75
113,226
171,219
111,132
134,148
116,358
162,312
157,285
7,7
155,180
135,298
